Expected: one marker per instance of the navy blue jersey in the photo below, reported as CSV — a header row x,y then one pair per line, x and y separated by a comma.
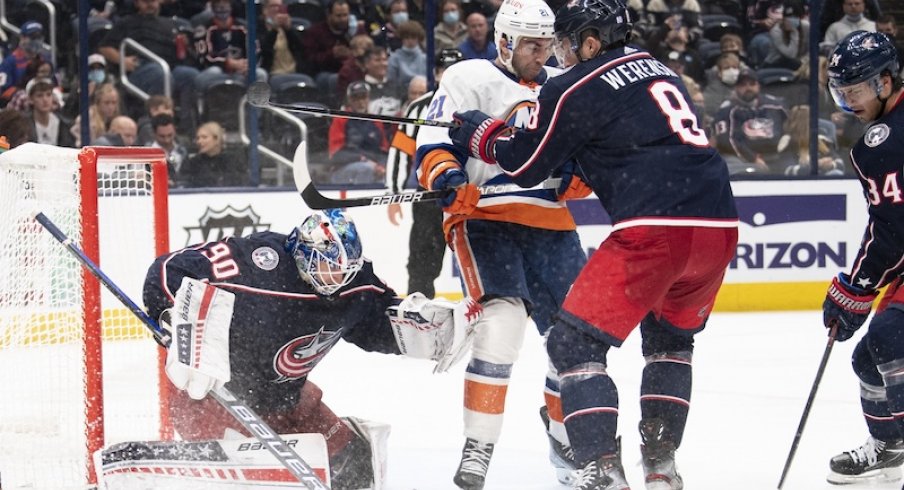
x,y
878,159
627,120
280,327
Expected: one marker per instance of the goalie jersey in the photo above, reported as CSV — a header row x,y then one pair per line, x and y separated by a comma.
x,y
480,84
280,327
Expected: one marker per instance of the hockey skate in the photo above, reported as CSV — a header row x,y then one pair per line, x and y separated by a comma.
x,y
560,455
875,460
658,457
605,473
475,460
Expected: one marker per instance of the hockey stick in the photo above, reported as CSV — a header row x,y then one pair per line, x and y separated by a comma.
x,y
248,418
803,418
315,200
259,96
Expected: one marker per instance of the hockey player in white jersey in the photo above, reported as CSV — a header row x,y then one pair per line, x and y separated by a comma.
x,y
518,253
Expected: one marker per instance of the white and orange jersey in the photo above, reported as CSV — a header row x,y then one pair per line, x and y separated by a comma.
x,y
481,85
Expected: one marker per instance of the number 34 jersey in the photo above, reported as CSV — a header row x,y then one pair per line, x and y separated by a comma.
x,y
628,121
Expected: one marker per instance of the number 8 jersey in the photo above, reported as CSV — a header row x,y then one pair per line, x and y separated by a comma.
x,y
645,156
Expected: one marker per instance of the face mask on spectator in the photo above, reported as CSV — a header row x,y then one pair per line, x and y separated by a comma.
x,y
32,46
794,22
451,17
854,17
97,76
729,76
352,24
409,50
399,17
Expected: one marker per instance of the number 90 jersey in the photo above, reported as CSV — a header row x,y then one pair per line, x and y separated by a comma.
x,y
481,85
627,120
280,328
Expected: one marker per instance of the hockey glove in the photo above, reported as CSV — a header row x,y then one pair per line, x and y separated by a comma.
x,y
464,196
198,358
436,329
846,306
476,134
572,186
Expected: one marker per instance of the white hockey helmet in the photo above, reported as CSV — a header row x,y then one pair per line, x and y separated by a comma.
x,y
522,18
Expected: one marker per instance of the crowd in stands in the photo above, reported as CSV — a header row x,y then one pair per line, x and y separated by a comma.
x,y
746,63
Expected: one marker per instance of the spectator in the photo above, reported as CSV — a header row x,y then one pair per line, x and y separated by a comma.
x,y
48,127
762,15
37,68
409,60
833,10
853,20
161,36
797,140
358,149
222,48
155,105
733,43
388,33
164,127
416,88
721,82
385,95
213,166
887,25
674,14
477,45
353,68
104,108
450,31
326,44
14,128
749,126
97,75
123,132
12,69
667,40
281,50
790,38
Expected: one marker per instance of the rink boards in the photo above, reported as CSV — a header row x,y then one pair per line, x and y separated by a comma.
x,y
794,235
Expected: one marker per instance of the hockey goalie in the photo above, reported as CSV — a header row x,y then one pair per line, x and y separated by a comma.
x,y
256,314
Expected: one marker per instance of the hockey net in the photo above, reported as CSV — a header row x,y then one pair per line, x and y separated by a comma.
x,y
78,369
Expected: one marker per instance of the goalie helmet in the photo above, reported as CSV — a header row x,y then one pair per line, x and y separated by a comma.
x,y
327,250
522,18
861,57
609,18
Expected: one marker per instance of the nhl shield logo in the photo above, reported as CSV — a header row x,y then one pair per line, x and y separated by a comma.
x,y
266,258
876,135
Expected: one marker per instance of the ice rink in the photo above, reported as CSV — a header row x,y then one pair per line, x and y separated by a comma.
x,y
752,375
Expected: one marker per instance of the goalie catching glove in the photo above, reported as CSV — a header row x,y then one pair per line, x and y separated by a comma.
x,y
438,330
198,358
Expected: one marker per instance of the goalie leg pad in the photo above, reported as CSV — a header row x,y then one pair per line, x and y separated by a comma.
x,y
377,436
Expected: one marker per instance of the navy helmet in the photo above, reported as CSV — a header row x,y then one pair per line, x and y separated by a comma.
x,y
609,18
861,57
327,250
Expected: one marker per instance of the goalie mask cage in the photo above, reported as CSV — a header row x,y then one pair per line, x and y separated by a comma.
x,y
77,369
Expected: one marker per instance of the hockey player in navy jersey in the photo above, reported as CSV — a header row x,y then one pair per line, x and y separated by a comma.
x,y
519,252
263,310
628,122
864,80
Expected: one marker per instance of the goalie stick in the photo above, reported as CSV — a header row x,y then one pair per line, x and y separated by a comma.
x,y
809,405
315,200
259,96
242,413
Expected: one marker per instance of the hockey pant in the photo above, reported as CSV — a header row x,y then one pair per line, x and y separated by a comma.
x,y
350,454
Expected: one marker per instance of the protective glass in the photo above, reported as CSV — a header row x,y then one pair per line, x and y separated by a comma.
x,y
534,47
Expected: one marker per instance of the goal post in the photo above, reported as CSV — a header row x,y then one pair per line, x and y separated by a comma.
x,y
77,370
